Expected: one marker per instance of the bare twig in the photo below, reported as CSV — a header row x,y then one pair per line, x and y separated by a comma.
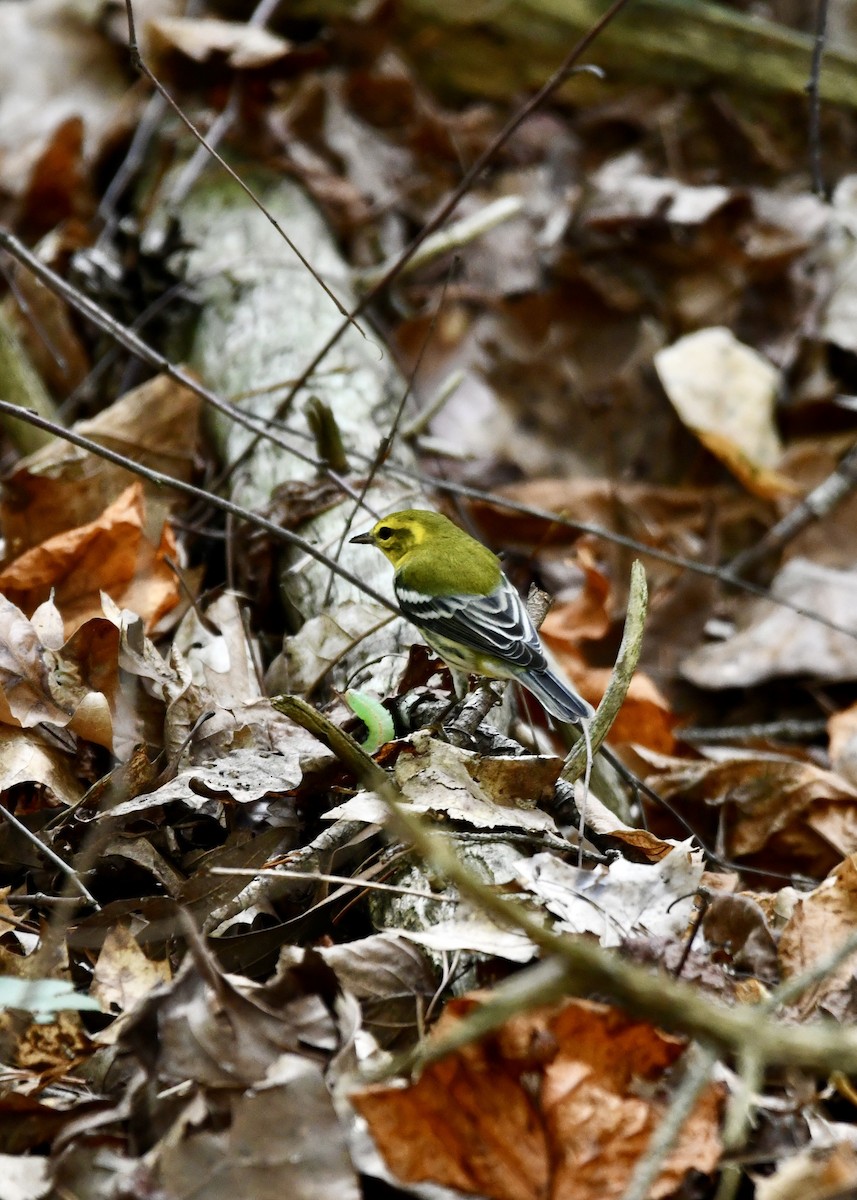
x,y
266,889
817,504
72,875
350,881
620,679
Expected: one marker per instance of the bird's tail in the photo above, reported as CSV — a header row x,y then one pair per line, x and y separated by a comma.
x,y
557,697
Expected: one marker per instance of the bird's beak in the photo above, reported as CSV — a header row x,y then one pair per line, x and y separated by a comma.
x,y
363,539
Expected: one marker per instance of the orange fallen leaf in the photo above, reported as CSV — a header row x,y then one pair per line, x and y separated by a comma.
x,y
559,1102
111,554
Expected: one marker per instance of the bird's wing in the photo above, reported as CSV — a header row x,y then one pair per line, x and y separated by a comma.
x,y
497,624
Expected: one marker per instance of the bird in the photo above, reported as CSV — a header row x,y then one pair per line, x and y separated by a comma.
x,y
453,589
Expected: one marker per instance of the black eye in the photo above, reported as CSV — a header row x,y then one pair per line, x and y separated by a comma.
x,y
384,532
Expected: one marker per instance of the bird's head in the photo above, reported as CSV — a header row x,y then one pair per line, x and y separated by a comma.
x,y
402,533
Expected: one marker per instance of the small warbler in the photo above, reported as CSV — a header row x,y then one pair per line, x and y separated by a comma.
x,y
453,590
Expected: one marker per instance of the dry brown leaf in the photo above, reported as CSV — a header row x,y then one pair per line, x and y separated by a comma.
x,y
58,186
625,192
842,729
820,923
807,814
53,1044
619,901
239,1029
725,393
588,616
43,324
655,514
111,554
62,487
644,719
72,72
559,1102
436,777
25,674
642,844
26,758
282,1138
739,924
123,974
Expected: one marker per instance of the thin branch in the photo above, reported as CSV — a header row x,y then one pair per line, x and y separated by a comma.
x,y
72,875
320,877
840,483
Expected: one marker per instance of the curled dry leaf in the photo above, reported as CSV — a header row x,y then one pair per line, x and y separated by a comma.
x,y
243,45
308,656
487,793
806,817
240,777
75,685
239,1030
820,923
818,1172
842,728
26,758
725,393
392,979
838,323
739,924
645,718
72,71
282,1138
640,845
53,1045
25,696
620,901
559,1102
624,192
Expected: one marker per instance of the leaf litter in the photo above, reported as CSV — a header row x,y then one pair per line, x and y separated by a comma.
x,y
659,344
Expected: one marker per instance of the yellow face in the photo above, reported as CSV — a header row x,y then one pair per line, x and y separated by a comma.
x,y
397,535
